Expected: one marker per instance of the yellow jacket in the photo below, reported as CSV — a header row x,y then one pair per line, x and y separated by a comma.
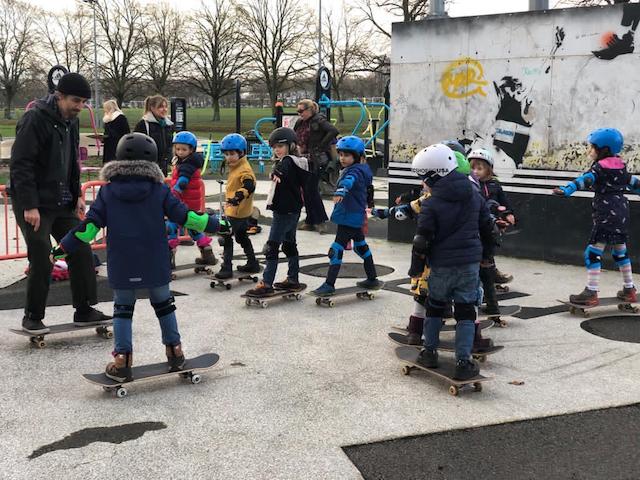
x,y
241,183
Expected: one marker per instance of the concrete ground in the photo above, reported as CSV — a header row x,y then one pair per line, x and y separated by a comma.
x,y
295,382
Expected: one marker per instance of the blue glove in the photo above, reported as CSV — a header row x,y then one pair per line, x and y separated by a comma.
x,y
181,184
566,190
380,213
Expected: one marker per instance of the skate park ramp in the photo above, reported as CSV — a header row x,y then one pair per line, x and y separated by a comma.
x,y
589,445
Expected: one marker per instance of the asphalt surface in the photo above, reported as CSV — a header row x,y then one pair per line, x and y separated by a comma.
x,y
594,445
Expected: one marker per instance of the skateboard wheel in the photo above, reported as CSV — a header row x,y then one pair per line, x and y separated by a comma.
x,y
585,314
121,392
453,390
227,286
212,284
635,309
477,387
40,343
331,303
108,334
195,379
318,301
264,304
406,370
298,296
359,295
482,358
254,279
247,302
371,296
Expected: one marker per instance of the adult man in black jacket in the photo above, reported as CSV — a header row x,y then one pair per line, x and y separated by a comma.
x,y
45,192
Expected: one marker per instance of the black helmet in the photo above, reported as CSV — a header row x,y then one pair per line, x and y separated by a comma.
x,y
283,135
137,146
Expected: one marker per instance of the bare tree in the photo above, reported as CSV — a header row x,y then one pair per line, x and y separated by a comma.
x,y
402,10
18,40
163,44
279,45
217,51
345,49
68,36
122,43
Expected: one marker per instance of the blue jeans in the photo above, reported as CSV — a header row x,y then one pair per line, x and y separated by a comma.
x,y
283,232
123,302
462,285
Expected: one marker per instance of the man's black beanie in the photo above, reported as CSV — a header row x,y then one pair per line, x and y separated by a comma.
x,y
74,84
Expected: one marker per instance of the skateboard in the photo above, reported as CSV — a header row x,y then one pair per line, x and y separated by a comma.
x,y
484,324
265,300
228,282
445,371
626,307
445,346
327,300
37,340
197,269
143,373
505,311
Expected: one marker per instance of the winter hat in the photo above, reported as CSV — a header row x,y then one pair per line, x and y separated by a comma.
x,y
74,84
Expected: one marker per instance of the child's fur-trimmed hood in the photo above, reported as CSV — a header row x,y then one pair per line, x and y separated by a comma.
x,y
131,168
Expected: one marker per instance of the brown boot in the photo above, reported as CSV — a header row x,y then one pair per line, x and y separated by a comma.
x,y
175,357
206,256
414,337
120,369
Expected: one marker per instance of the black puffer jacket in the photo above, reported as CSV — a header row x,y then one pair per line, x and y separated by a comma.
x,y
457,221
162,135
37,173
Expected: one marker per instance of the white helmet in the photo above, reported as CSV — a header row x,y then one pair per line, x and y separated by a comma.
x,y
481,154
435,160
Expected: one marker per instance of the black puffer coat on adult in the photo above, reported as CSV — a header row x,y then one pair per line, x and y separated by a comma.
x,y
162,133
38,177
457,222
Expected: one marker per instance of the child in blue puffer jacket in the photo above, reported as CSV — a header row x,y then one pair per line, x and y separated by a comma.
x,y
133,206
349,214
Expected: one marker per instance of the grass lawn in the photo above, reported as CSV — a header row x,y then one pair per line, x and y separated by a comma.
x,y
199,121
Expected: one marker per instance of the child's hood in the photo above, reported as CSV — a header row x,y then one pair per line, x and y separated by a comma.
x,y
612,163
131,180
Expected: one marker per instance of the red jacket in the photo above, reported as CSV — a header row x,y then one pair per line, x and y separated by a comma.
x,y
189,168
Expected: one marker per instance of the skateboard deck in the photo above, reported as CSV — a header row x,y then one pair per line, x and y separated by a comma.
x,y
445,346
360,293
197,269
505,311
37,340
227,283
626,307
447,327
265,300
445,371
153,371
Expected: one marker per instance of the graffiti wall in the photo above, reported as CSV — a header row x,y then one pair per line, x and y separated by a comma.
x,y
529,86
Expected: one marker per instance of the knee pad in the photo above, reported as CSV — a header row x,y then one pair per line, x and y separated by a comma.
x,y
464,311
621,257
335,254
164,308
362,249
123,311
271,251
435,308
592,257
290,249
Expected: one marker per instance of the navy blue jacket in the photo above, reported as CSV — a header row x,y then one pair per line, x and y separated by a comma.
x,y
454,219
352,186
133,206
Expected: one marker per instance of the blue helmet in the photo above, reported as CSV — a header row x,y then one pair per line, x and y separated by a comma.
x,y
186,138
352,144
455,145
233,141
607,137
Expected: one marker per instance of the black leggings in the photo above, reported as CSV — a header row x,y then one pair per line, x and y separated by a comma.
x,y
343,236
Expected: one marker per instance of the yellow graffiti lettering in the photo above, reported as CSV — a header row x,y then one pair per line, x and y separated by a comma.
x,y
463,78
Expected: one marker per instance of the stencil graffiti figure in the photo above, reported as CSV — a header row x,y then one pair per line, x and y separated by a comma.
x,y
511,127
612,44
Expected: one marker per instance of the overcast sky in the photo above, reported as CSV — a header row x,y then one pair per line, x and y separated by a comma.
x,y
456,8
